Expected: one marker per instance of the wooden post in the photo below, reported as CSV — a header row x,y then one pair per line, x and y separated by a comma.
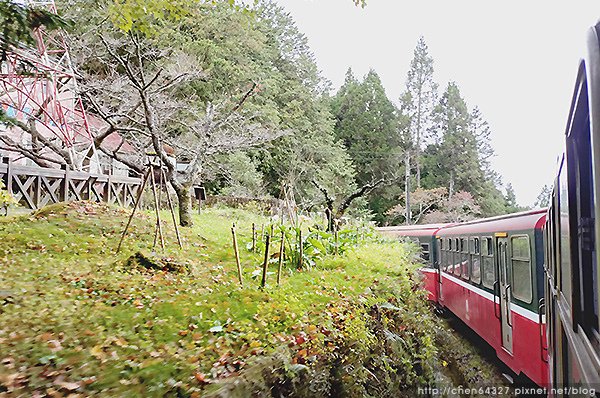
x,y
157,208
263,281
237,256
38,191
135,206
335,234
281,249
164,178
300,250
253,238
64,189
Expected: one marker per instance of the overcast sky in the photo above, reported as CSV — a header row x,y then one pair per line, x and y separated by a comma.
x,y
516,60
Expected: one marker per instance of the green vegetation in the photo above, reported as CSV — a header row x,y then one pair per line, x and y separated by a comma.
x,y
76,318
6,199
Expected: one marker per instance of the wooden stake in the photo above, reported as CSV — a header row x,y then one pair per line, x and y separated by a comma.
x,y
237,255
300,250
253,238
164,178
263,281
281,249
156,208
336,241
135,206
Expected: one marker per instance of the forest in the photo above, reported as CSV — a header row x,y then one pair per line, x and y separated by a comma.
x,y
230,96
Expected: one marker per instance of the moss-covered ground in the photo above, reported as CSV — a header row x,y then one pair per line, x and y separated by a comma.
x,y
77,319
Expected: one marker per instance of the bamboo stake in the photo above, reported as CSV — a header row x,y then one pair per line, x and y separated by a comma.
x,y
263,281
281,249
156,208
164,178
135,206
160,180
237,255
336,241
300,250
253,238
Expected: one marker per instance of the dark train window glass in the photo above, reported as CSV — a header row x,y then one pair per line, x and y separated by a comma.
x,y
456,263
425,251
521,269
438,258
464,258
565,249
475,262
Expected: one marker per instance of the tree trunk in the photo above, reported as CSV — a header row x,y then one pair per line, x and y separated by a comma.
x,y
185,204
330,218
451,188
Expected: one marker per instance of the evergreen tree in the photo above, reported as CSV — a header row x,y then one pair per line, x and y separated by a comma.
x,y
366,122
543,199
458,160
417,102
511,200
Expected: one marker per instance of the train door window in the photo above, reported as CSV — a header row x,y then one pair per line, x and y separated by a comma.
x,y
521,269
425,251
487,262
438,259
475,262
464,260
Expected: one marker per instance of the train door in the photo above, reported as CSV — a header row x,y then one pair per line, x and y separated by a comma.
x,y
506,318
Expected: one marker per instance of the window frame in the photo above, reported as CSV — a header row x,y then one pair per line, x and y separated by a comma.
x,y
464,258
522,259
490,248
476,254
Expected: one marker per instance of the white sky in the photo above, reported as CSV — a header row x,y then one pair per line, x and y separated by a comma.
x,y
516,60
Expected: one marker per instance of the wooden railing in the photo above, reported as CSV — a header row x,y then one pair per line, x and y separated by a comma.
x,y
35,187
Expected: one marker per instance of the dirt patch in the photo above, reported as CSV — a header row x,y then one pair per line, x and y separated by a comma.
x,y
166,264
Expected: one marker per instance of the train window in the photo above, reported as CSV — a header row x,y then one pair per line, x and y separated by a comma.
x,y
475,262
487,263
564,241
521,269
448,255
458,248
464,260
425,251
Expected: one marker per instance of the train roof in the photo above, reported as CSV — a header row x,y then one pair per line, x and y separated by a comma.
x,y
530,219
411,230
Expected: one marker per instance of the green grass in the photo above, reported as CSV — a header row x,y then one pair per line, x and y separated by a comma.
x,y
74,317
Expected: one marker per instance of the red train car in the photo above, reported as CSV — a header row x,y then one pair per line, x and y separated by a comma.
x,y
491,277
424,235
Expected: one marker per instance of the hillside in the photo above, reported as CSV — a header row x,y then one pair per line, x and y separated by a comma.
x,y
75,318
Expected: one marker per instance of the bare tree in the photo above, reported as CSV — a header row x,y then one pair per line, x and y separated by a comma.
x,y
141,92
334,212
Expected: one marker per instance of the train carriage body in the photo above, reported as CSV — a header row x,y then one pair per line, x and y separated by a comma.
x,y
571,231
491,277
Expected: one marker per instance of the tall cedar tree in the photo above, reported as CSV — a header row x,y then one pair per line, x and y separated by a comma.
x,y
456,147
366,122
417,102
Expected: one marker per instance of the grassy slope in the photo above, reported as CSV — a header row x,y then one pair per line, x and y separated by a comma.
x,y
75,318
